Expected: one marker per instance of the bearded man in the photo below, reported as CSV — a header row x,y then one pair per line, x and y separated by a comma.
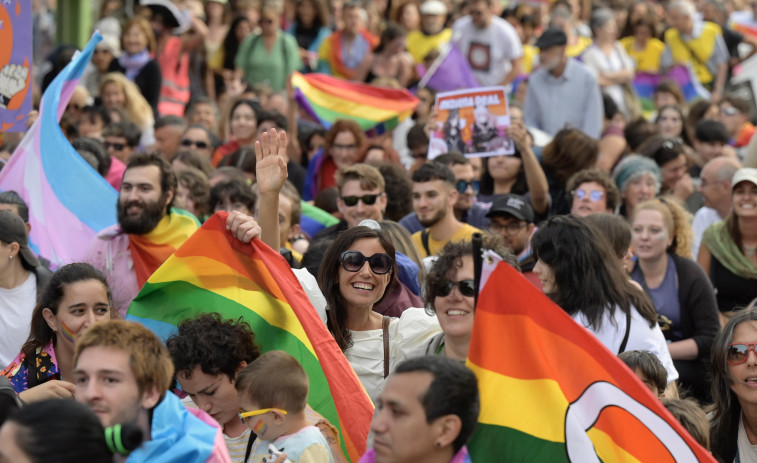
x,y
148,231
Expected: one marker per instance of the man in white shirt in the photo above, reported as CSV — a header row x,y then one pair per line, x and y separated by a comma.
x,y
490,43
715,187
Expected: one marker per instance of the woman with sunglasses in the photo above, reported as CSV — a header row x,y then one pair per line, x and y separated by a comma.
x,y
680,291
580,272
733,420
198,138
450,294
357,271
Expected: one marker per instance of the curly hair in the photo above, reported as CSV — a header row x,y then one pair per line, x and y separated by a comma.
x,y
677,220
451,258
216,345
570,151
137,108
612,195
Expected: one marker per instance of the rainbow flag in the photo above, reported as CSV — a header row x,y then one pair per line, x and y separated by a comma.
x,y
551,392
315,219
69,202
149,251
644,83
325,99
214,272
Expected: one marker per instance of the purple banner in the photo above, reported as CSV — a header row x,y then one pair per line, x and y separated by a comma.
x,y
15,64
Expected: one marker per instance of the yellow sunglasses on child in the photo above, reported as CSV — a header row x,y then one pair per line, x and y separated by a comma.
x,y
262,411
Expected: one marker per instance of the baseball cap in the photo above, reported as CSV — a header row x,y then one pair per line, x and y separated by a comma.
x,y
515,205
745,174
13,230
433,7
552,37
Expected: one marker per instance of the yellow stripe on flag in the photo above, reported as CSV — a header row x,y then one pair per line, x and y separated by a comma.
x,y
204,272
536,407
608,450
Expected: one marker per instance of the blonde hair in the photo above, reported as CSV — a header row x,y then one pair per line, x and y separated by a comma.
x,y
677,220
137,108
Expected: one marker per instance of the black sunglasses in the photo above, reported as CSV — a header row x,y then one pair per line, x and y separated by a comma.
x,y
115,146
353,261
466,287
368,200
200,144
462,186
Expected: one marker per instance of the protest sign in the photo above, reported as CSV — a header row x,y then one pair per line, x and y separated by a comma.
x,y
472,122
15,64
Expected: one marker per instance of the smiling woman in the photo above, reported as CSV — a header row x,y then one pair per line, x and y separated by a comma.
x,y
357,271
76,297
450,293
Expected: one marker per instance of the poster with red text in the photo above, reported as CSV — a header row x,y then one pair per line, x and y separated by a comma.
x,y
472,122
15,64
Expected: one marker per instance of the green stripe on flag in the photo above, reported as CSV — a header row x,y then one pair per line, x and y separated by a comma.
x,y
492,443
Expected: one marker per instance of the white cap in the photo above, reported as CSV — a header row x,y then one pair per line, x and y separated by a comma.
x,y
436,7
745,174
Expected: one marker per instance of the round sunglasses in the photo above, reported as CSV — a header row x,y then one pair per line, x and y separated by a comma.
x,y
353,261
466,287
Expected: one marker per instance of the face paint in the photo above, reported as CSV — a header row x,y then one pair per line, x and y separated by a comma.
x,y
67,332
260,428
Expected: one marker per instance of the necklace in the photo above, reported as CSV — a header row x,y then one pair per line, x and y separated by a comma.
x,y
749,250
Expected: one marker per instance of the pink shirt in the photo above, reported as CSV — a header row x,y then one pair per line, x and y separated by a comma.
x,y
109,252
116,173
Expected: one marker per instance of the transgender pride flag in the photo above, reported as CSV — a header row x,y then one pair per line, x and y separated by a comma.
x,y
69,202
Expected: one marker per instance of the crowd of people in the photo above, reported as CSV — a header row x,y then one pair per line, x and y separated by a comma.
x,y
638,221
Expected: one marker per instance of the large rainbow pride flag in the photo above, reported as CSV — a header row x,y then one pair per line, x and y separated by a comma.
x,y
325,99
69,202
214,272
744,22
644,83
551,392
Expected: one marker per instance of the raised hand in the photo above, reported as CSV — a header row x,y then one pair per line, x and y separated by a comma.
x,y
12,80
271,167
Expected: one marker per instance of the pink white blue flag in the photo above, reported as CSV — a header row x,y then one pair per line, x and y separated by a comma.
x,y
69,202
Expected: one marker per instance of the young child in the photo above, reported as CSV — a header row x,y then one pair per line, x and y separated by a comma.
x,y
648,368
272,392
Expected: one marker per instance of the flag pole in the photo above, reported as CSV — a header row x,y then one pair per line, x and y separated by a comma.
x,y
477,242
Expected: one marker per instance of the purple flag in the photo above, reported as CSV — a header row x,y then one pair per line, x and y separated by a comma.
x,y
450,71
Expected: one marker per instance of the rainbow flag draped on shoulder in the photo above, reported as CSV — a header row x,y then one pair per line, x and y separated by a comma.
x,y
214,272
551,392
69,202
377,109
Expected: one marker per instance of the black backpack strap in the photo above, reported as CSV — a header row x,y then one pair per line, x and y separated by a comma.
x,y
250,441
424,241
628,332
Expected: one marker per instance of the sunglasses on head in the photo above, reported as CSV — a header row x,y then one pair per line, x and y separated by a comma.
x,y
730,111
462,186
738,352
368,200
115,146
466,287
671,143
199,144
353,261
593,195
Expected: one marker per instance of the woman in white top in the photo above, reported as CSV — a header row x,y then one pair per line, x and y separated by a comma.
x,y
609,60
355,274
580,273
733,422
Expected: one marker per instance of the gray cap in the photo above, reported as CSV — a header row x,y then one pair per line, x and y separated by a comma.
x,y
514,205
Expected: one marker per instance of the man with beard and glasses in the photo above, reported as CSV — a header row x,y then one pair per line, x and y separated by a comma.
x,y
148,229
562,91
434,197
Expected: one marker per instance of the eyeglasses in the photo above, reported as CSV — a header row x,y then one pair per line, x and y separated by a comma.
x,y
368,200
115,146
738,352
349,147
510,228
462,186
593,195
671,143
263,411
467,288
199,144
353,261
730,111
